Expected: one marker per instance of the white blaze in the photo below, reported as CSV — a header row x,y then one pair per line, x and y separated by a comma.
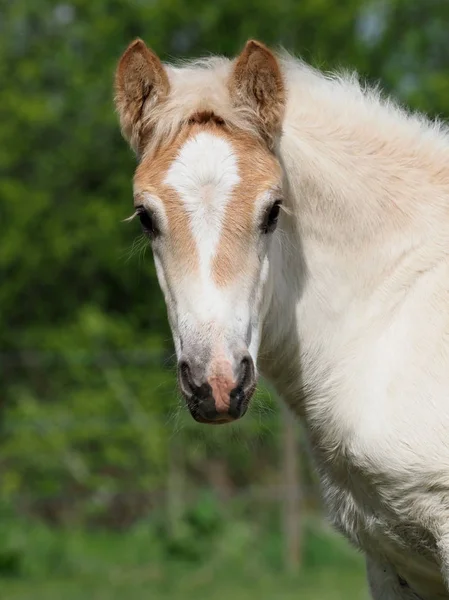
x,y
204,174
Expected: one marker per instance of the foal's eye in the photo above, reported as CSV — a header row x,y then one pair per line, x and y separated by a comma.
x,y
271,217
147,221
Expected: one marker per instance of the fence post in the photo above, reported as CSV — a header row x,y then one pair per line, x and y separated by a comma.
x,y
175,485
291,501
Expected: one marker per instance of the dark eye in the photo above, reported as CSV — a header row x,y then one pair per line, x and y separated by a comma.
x,y
271,217
147,221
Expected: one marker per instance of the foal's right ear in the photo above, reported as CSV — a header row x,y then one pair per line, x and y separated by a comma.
x,y
140,83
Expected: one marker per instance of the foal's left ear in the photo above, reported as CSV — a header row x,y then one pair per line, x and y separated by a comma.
x,y
257,83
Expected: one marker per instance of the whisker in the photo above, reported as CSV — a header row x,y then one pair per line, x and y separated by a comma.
x,y
129,219
136,247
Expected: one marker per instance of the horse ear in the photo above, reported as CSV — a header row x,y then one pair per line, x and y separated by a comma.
x,y
140,83
257,82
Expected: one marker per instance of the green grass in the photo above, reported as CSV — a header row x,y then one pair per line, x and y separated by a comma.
x,y
211,560
199,584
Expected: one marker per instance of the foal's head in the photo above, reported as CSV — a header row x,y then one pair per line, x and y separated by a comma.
x,y
208,192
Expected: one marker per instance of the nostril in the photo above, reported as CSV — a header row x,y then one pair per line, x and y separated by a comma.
x,y
185,377
246,373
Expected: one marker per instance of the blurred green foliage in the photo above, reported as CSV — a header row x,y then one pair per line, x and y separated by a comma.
x,y
216,558
92,430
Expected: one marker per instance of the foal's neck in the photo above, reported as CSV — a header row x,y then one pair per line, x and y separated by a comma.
x,y
367,190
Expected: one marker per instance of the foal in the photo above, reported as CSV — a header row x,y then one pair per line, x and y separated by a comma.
x,y
302,219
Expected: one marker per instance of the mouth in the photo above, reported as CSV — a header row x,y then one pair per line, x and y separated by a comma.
x,y
212,417
221,419
218,421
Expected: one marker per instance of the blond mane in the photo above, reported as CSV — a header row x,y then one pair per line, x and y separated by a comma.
x,y
201,85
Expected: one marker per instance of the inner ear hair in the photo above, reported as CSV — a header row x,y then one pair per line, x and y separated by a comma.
x,y
257,83
141,82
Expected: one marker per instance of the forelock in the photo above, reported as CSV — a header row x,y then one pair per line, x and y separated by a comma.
x,y
198,87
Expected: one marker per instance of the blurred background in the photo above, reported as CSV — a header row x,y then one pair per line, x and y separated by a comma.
x,y
107,486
